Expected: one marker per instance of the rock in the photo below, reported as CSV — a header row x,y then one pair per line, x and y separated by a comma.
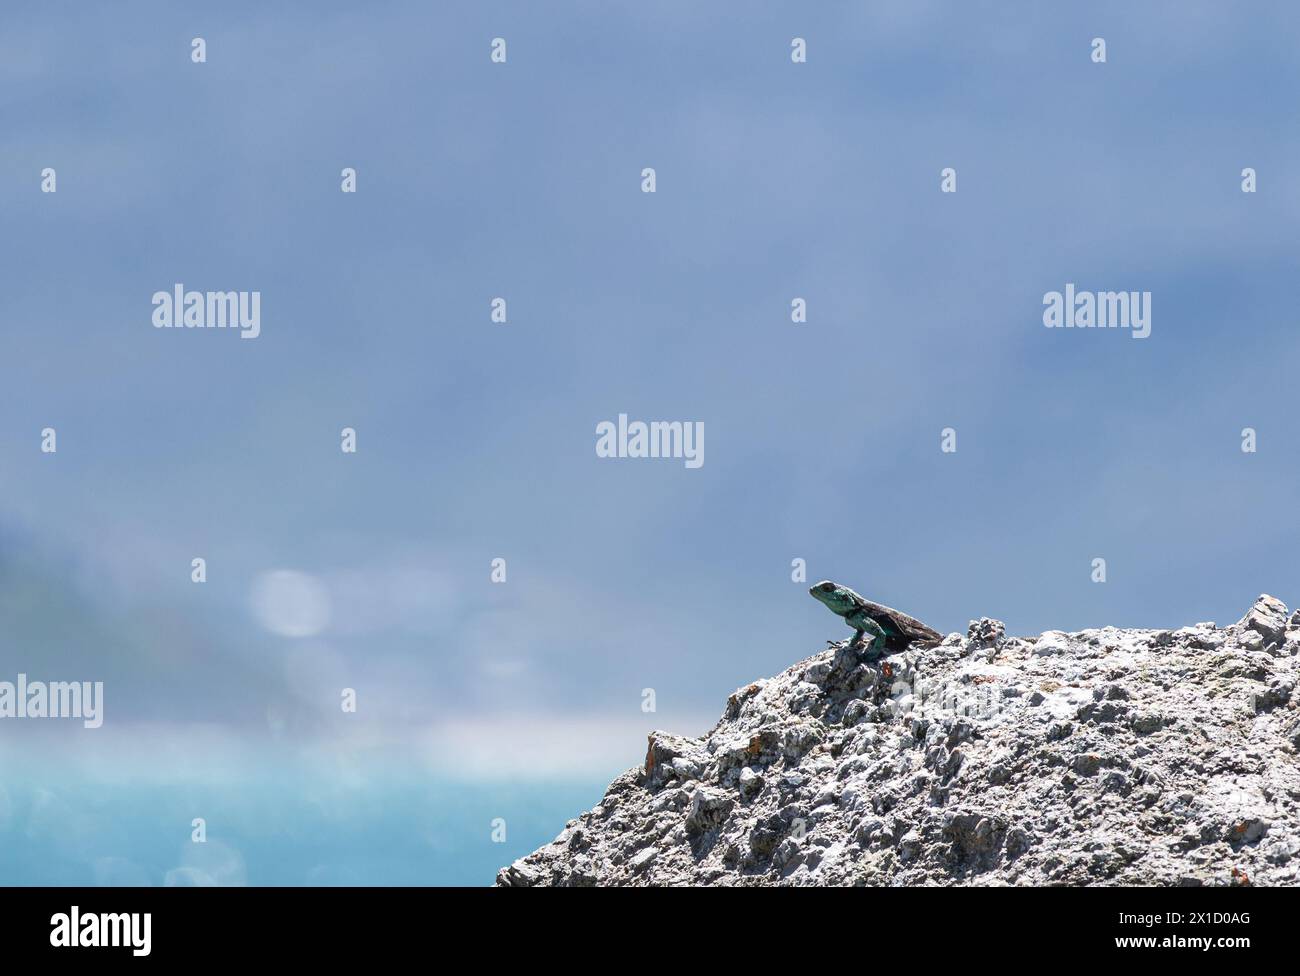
x,y
787,854
582,874
577,840
1248,829
750,782
518,875
909,845
1268,618
1086,764
709,808
764,837
1277,694
1292,733
664,748
1120,757
642,859
741,696
972,835
985,632
856,710
1145,723
1052,642
686,768
1202,635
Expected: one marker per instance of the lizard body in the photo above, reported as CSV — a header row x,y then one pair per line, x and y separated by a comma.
x,y
888,627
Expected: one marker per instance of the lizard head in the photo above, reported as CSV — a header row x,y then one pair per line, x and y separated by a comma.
x,y
838,599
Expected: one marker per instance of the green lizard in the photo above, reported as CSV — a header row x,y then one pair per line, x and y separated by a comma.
x,y
884,624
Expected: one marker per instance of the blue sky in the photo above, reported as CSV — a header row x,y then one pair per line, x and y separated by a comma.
x,y
476,440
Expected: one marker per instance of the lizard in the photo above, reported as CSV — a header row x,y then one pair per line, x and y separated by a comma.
x,y
884,624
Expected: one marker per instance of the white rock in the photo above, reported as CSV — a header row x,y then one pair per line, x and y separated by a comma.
x,y
1052,642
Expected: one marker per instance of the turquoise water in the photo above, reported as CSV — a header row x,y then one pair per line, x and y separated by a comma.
x,y
276,829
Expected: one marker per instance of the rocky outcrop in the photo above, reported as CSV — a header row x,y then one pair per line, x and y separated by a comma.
x,y
1130,757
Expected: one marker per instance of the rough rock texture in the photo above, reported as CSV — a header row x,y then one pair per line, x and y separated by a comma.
x,y
1136,757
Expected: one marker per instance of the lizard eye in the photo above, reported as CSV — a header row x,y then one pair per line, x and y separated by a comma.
x,y
828,587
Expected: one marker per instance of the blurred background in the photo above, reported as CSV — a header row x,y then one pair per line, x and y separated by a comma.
x,y
518,701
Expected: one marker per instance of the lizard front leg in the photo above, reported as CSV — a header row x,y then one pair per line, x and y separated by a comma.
x,y
863,624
